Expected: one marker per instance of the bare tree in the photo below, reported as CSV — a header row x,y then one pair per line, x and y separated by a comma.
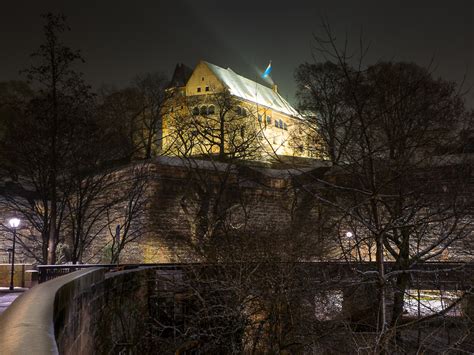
x,y
92,195
47,129
321,93
155,102
135,115
119,113
214,125
127,218
390,130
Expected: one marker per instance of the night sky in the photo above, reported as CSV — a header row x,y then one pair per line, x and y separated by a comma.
x,y
120,39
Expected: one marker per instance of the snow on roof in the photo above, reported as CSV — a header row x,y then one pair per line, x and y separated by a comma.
x,y
252,91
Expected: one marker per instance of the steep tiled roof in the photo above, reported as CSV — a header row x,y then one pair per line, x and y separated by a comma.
x,y
252,91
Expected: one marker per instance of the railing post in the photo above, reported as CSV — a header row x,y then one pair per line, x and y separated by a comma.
x,y
40,274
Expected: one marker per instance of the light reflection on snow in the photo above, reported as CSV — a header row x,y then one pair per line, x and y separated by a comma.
x,y
328,305
431,302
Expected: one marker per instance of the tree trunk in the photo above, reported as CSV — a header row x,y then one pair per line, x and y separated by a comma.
x,y
403,279
381,294
45,247
399,298
52,235
149,143
222,139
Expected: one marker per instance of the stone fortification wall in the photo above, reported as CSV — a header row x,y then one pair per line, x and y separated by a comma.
x,y
180,196
244,200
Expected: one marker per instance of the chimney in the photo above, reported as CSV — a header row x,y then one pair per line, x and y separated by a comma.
x,y
275,88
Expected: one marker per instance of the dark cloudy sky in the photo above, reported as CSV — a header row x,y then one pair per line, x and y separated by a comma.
x,y
120,39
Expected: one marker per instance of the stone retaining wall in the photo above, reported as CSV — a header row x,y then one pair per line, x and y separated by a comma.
x,y
84,312
101,315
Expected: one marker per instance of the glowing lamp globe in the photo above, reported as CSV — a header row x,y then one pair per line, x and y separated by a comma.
x,y
14,222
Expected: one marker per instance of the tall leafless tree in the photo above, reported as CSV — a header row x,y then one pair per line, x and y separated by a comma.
x,y
390,130
47,132
155,102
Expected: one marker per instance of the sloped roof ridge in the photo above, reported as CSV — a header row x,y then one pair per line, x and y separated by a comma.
x,y
250,90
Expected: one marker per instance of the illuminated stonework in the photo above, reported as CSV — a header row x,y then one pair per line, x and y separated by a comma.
x,y
215,110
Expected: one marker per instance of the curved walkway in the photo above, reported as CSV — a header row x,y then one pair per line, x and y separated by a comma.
x,y
27,327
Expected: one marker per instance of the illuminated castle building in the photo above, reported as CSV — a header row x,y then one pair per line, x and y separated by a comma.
x,y
217,111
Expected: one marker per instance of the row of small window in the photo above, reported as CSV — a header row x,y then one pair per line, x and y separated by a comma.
x,y
278,123
204,110
242,111
205,89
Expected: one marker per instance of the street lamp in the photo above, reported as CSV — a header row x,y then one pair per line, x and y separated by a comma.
x,y
14,223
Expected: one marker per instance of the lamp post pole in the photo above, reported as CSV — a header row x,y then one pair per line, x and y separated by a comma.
x,y
14,223
12,272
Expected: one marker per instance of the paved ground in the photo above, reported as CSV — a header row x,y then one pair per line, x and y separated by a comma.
x,y
7,297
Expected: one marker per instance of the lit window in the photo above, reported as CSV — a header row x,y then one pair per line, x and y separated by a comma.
x,y
211,110
195,111
203,110
198,89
